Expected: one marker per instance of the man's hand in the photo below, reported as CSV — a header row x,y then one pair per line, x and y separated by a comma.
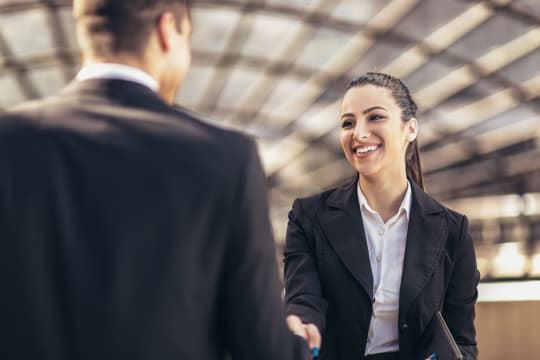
x,y
309,332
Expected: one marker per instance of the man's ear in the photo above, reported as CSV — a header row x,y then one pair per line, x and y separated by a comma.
x,y
165,30
412,127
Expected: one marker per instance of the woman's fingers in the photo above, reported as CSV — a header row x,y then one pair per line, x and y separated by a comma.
x,y
314,336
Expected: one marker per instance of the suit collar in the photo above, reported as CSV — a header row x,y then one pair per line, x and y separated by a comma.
x,y
122,92
405,205
426,205
117,71
342,198
342,224
426,236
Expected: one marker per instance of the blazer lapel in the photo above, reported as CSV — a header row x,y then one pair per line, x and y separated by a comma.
x,y
427,231
342,224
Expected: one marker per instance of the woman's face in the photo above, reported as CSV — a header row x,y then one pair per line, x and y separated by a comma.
x,y
373,136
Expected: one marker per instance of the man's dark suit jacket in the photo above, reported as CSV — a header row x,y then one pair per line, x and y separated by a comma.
x,y
132,230
329,282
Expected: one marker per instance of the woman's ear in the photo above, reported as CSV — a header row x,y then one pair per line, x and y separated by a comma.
x,y
412,128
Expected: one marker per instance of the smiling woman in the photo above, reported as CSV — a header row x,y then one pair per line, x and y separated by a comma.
x,y
368,264
382,104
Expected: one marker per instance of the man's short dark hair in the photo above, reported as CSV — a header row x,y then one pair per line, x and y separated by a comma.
x,y
109,27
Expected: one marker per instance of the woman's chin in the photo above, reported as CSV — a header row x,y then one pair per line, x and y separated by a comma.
x,y
367,170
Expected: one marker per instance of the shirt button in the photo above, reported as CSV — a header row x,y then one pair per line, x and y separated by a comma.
x,y
381,232
379,258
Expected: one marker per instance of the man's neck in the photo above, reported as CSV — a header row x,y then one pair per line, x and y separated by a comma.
x,y
127,60
135,63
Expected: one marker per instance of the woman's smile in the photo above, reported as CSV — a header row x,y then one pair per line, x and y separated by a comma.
x,y
364,151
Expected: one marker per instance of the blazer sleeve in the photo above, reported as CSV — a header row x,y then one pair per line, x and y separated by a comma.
x,y
253,317
303,292
461,295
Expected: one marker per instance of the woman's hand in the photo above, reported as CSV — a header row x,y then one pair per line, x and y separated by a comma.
x,y
309,332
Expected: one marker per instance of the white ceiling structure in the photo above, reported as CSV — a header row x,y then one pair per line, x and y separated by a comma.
x,y
277,69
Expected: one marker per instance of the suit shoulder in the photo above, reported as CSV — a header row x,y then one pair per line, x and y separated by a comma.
x,y
310,204
226,153
18,119
317,198
227,138
454,216
30,113
31,107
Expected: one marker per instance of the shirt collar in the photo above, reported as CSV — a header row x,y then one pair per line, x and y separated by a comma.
x,y
404,206
117,71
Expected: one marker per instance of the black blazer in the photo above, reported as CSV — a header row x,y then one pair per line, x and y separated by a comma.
x,y
329,283
132,230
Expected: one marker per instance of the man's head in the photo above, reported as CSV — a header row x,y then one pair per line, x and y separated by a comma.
x,y
150,34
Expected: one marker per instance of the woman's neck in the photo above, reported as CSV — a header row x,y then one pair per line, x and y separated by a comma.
x,y
384,194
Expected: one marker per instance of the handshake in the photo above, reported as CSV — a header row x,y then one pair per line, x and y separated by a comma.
x,y
309,332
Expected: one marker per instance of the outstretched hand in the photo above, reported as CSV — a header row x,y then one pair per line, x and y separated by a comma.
x,y
309,332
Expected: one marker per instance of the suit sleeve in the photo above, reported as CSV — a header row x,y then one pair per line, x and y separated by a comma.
x,y
253,314
303,293
461,295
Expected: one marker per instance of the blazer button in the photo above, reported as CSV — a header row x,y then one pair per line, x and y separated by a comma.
x,y
404,327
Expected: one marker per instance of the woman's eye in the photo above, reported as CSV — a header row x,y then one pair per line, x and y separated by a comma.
x,y
346,123
376,117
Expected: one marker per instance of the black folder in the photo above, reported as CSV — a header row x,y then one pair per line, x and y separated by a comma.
x,y
437,339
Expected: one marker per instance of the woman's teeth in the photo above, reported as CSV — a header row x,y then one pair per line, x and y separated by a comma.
x,y
364,150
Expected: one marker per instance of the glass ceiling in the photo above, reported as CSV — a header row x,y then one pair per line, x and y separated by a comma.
x,y
278,68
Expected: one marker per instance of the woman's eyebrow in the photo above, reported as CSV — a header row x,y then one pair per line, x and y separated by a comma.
x,y
347,115
373,108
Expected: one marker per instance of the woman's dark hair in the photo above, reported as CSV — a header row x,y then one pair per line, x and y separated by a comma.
x,y
403,98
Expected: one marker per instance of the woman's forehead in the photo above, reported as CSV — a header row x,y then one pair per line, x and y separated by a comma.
x,y
362,97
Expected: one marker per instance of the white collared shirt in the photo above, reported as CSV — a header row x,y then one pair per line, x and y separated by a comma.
x,y
386,246
117,71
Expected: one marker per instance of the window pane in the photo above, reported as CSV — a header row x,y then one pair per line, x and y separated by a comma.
x,y
495,32
429,16
48,81
324,44
32,35
212,28
359,12
268,33
11,92
238,82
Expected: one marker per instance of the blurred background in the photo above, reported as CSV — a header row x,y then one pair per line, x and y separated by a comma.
x,y
277,69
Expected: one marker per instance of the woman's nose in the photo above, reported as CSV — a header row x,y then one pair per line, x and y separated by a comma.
x,y
360,132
